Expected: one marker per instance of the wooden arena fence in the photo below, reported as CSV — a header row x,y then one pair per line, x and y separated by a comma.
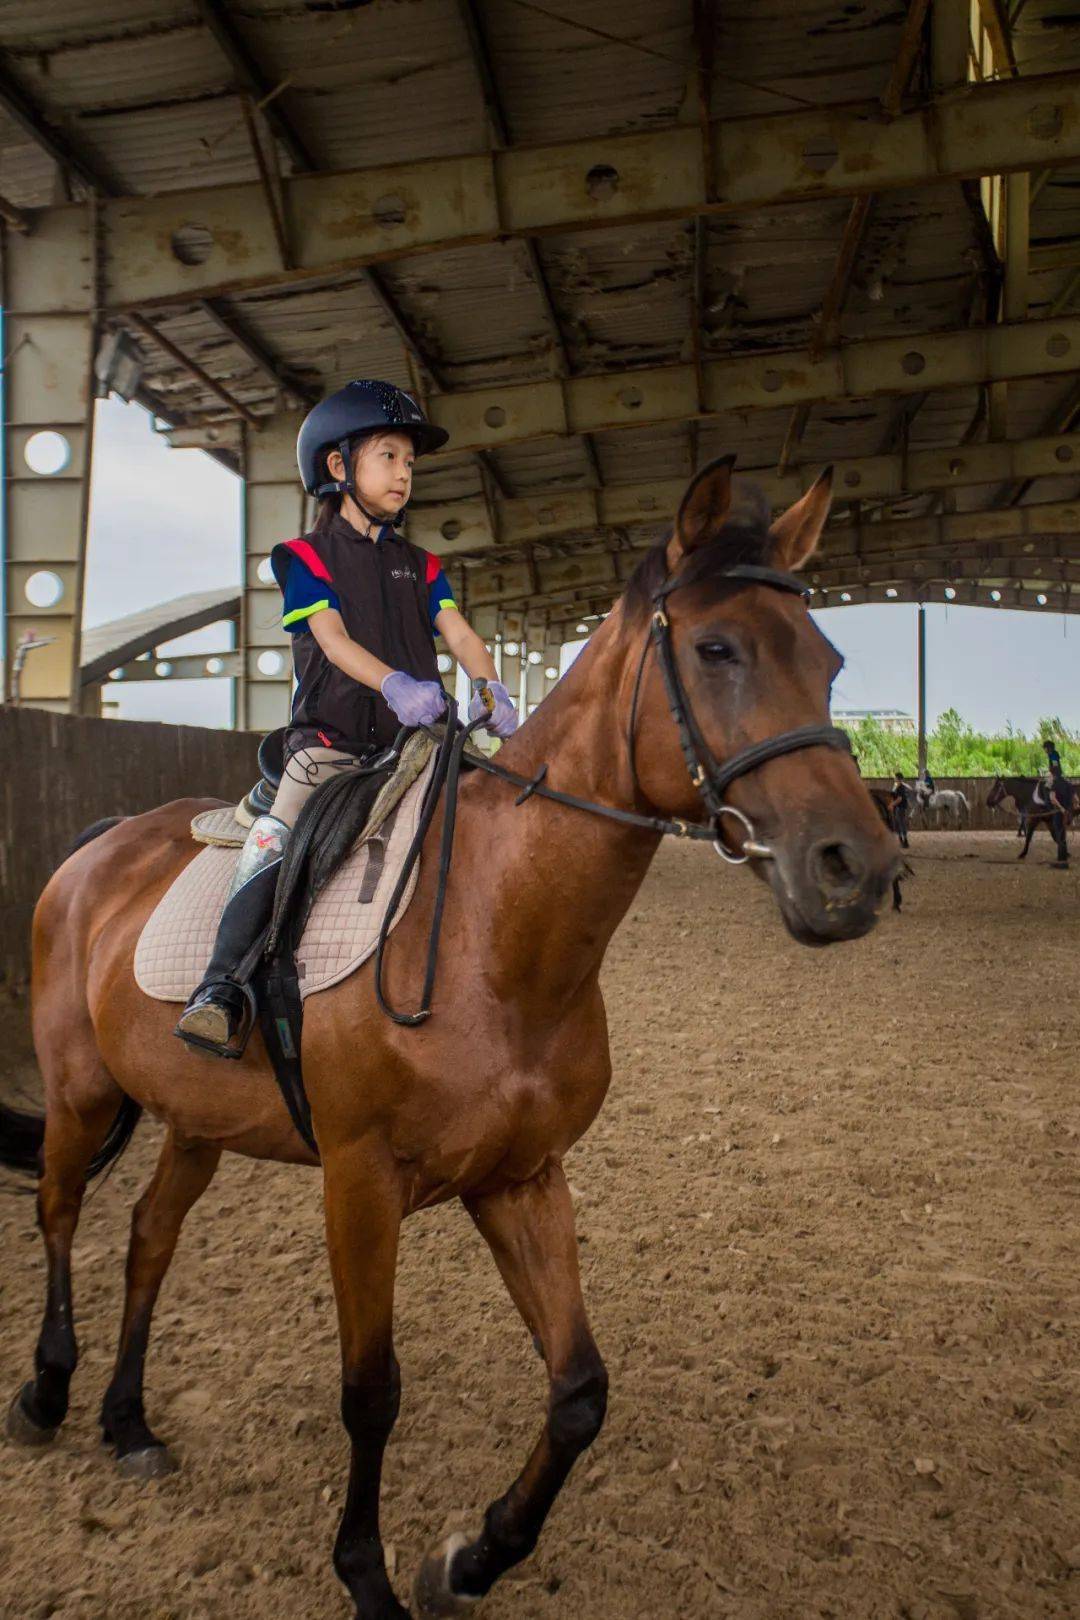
x,y
61,772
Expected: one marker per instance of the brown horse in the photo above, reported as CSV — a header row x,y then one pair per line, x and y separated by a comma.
x,y
483,1100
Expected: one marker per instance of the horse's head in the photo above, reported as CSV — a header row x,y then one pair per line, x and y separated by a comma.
x,y
752,665
997,794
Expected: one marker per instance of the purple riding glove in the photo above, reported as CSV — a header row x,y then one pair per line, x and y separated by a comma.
x,y
503,719
415,703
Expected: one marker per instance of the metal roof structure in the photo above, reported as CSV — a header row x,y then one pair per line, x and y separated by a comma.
x,y
604,243
110,646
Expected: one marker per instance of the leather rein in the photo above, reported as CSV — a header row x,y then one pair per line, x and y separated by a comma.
x,y
711,779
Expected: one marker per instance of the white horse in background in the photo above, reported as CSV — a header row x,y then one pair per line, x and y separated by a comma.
x,y
947,804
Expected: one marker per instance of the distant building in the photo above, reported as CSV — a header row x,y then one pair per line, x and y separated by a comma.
x,y
888,719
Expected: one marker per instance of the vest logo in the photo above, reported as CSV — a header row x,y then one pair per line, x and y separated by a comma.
x,y
403,573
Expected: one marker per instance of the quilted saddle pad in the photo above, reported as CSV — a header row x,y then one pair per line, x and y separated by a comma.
x,y
343,929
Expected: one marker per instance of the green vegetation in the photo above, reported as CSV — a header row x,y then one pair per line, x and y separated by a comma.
x,y
954,749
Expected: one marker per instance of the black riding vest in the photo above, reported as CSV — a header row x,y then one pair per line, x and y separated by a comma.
x,y
382,586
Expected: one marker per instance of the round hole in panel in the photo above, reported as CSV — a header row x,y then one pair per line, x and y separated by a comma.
x,y
450,529
1057,345
164,669
389,210
631,398
956,467
995,596
820,153
845,596
270,663
535,657
445,663
495,416
44,588
772,382
950,594
551,673
852,478
1063,453
47,453
891,592
602,182
582,629
913,363
511,648
215,666
191,244
116,674
1041,599
1045,123
265,572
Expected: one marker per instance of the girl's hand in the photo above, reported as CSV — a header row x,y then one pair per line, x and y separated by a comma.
x,y
415,703
503,720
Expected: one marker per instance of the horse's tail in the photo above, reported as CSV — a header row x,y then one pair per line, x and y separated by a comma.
x,y
963,800
22,1134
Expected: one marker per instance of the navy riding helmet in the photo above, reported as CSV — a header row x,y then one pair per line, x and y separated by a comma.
x,y
338,421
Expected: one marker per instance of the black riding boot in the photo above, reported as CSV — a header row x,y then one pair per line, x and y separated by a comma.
x,y
219,1016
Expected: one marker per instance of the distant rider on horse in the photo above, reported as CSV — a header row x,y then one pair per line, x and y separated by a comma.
x,y
362,605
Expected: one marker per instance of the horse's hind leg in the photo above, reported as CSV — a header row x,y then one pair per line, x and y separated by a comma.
x,y
78,1118
184,1171
530,1230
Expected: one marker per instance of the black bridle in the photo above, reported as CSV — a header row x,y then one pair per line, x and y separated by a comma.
x,y
709,778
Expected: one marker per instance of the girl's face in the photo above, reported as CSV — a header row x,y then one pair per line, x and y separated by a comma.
x,y
382,472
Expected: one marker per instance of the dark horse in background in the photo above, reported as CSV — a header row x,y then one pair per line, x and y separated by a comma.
x,y
1032,814
881,797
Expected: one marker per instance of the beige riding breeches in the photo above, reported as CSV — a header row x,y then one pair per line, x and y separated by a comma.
x,y
304,771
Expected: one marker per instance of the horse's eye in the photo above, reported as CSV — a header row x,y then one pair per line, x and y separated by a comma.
x,y
717,652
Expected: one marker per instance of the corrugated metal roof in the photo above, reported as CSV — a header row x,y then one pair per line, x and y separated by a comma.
x,y
148,93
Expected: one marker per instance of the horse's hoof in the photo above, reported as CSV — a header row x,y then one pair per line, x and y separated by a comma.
x,y
20,1426
150,1462
432,1593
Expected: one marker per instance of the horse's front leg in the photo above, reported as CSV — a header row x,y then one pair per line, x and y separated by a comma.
x,y
363,1218
1032,824
530,1230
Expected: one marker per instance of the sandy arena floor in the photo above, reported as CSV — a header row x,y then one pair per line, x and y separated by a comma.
x,y
829,1223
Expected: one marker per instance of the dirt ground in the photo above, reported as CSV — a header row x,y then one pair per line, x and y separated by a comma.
x,y
828,1223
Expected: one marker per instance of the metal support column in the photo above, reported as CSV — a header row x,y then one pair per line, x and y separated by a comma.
x,y
48,431
921,682
274,510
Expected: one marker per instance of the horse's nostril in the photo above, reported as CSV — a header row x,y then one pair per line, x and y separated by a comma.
x,y
838,870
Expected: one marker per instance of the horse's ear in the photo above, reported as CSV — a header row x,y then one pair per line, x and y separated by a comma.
x,y
796,533
704,508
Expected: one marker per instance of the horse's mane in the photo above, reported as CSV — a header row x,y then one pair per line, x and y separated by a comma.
x,y
744,538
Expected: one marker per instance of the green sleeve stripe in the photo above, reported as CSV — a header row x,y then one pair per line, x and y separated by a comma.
x,y
304,612
447,601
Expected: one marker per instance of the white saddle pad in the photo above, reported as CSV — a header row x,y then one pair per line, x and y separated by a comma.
x,y
343,929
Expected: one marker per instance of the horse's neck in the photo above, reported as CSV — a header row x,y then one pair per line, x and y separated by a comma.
x,y
558,881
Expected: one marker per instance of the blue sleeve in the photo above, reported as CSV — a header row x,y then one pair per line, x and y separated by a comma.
x,y
439,596
304,595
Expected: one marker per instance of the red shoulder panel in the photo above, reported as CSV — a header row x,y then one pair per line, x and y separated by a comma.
x,y
433,568
310,558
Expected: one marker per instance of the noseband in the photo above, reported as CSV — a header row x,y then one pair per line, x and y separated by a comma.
x,y
712,780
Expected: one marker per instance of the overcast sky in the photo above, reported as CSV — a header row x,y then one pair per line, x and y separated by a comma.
x,y
168,521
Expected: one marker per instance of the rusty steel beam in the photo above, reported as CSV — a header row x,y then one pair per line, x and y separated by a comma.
x,y
251,79
192,367
344,221
487,418
462,527
21,107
